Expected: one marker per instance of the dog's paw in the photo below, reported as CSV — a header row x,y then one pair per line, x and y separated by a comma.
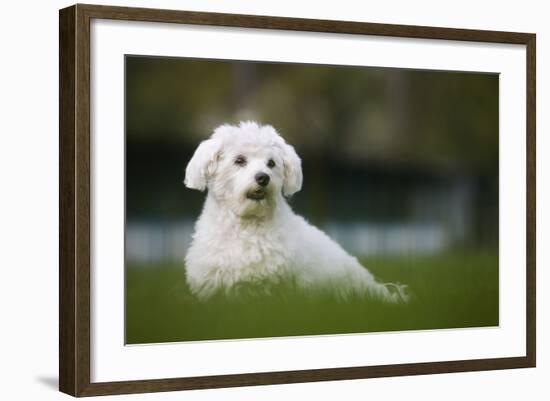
x,y
399,293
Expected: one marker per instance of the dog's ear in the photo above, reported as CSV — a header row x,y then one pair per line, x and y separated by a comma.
x,y
202,165
292,181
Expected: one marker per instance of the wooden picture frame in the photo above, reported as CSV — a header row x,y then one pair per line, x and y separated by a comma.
x,y
74,204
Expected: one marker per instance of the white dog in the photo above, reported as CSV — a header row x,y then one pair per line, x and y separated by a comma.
x,y
247,232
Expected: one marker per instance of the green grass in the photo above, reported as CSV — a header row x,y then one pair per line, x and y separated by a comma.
x,y
449,291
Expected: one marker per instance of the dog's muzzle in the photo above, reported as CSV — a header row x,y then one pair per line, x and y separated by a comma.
x,y
260,192
256,194
262,179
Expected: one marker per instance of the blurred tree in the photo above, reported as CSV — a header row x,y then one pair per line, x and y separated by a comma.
x,y
426,118
371,139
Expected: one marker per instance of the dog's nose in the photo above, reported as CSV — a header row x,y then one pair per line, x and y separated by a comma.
x,y
262,179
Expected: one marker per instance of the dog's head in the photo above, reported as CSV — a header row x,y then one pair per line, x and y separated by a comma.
x,y
246,167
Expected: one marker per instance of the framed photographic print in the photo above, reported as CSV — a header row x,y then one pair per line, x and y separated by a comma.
x,y
252,200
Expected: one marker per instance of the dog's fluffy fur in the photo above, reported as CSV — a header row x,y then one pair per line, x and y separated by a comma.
x,y
247,233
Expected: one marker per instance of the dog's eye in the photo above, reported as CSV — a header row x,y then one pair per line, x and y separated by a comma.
x,y
240,161
270,163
